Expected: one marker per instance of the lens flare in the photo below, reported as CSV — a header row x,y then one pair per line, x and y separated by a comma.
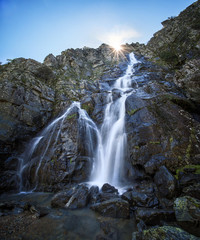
x,y
117,47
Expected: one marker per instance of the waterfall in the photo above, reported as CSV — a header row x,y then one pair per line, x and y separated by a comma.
x,y
106,146
111,150
45,143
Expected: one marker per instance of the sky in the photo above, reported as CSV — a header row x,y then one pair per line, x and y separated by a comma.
x,y
36,28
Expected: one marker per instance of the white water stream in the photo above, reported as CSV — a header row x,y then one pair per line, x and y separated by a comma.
x,y
108,150
111,150
46,142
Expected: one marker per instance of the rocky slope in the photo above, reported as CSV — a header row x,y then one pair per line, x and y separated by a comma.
x,y
177,45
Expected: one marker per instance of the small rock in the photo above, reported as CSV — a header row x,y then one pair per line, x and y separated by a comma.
x,y
107,188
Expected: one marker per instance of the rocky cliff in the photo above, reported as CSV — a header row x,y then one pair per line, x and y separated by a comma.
x,y
162,124
177,45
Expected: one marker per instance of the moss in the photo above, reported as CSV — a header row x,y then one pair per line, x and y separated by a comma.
x,y
156,142
133,111
188,150
88,108
71,116
166,232
136,147
196,169
85,107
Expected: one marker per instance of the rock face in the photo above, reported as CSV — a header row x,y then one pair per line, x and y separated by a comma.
x,y
177,46
26,100
178,41
160,123
188,79
31,93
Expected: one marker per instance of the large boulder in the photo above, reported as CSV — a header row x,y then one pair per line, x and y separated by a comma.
x,y
140,199
75,197
163,233
154,216
115,208
187,211
165,182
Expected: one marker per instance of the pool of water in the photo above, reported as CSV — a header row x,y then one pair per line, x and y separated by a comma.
x,y
81,224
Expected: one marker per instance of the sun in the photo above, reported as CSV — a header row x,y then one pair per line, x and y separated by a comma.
x,y
117,47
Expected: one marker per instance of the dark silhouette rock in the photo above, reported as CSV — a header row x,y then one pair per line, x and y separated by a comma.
x,y
107,188
165,182
154,216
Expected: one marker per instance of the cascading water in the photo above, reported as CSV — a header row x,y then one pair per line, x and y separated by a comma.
x,y
31,163
108,165
107,146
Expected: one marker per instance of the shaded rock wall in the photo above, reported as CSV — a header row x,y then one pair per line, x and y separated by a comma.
x,y
162,115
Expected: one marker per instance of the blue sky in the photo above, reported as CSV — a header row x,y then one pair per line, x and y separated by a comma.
x,y
35,28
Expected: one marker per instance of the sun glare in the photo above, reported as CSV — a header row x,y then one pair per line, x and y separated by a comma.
x,y
117,47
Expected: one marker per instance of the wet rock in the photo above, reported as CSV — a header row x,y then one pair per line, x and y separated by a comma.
x,y
141,226
76,197
115,208
107,188
79,199
154,216
61,198
93,194
163,233
101,197
116,93
165,182
140,199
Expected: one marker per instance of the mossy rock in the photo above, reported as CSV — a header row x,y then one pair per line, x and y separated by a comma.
x,y
164,233
187,209
195,169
